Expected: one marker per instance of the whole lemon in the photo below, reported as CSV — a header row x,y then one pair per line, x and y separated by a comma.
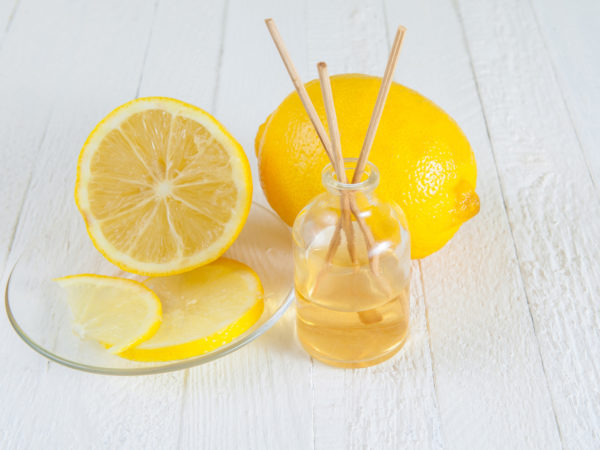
x,y
425,162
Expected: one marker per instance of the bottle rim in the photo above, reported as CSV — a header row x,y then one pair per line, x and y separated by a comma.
x,y
369,182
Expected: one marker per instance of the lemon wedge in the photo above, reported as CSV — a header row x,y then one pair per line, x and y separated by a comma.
x,y
162,187
117,312
202,310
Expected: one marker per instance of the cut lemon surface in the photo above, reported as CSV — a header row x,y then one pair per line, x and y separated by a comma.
x,y
117,312
202,310
162,186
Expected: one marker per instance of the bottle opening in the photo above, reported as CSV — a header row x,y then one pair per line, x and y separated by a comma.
x,y
368,181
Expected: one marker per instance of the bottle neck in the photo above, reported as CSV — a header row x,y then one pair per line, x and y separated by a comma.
x,y
367,184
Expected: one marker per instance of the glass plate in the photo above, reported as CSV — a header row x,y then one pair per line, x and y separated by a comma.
x,y
39,314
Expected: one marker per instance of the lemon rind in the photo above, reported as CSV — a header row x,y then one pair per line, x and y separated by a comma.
x,y
213,341
199,346
240,168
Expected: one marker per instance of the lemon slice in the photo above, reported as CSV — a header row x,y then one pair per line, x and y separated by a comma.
x,y
117,312
202,310
162,187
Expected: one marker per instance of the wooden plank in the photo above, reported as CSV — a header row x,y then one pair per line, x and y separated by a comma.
x,y
184,53
571,39
490,383
551,202
570,34
28,80
83,59
259,396
28,98
253,80
391,405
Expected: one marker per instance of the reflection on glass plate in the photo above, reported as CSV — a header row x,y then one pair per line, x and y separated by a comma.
x,y
38,311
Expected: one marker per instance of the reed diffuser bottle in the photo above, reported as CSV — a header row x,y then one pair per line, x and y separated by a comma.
x,y
352,272
351,250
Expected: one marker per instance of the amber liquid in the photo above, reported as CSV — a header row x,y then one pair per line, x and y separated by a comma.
x,y
347,315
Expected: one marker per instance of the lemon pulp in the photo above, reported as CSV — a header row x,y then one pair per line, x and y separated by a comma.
x,y
162,187
117,312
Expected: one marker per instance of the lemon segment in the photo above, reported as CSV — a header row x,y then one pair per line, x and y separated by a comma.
x,y
202,310
117,312
162,186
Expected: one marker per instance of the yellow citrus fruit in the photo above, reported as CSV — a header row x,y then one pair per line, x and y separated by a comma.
x,y
202,310
425,161
117,312
162,187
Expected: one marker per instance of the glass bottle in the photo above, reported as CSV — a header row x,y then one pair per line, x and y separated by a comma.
x,y
352,274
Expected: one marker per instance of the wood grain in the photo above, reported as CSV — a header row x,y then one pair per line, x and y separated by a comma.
x,y
392,405
545,180
505,320
29,77
259,396
572,42
490,382
30,98
46,405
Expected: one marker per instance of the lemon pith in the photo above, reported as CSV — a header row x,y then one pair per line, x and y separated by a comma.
x,y
202,310
162,187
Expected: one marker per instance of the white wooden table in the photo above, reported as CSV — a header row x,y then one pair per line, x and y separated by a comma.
x,y
505,343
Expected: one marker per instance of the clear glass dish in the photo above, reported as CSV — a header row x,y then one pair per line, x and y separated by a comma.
x,y
39,314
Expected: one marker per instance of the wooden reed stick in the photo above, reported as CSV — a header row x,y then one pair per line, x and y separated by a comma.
x,y
386,83
372,315
347,200
379,104
304,98
334,134
314,118
308,106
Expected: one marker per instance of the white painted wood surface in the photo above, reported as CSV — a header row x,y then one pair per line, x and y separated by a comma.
x,y
505,319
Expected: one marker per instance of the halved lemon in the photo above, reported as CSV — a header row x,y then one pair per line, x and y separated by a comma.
x,y
117,312
162,187
202,310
